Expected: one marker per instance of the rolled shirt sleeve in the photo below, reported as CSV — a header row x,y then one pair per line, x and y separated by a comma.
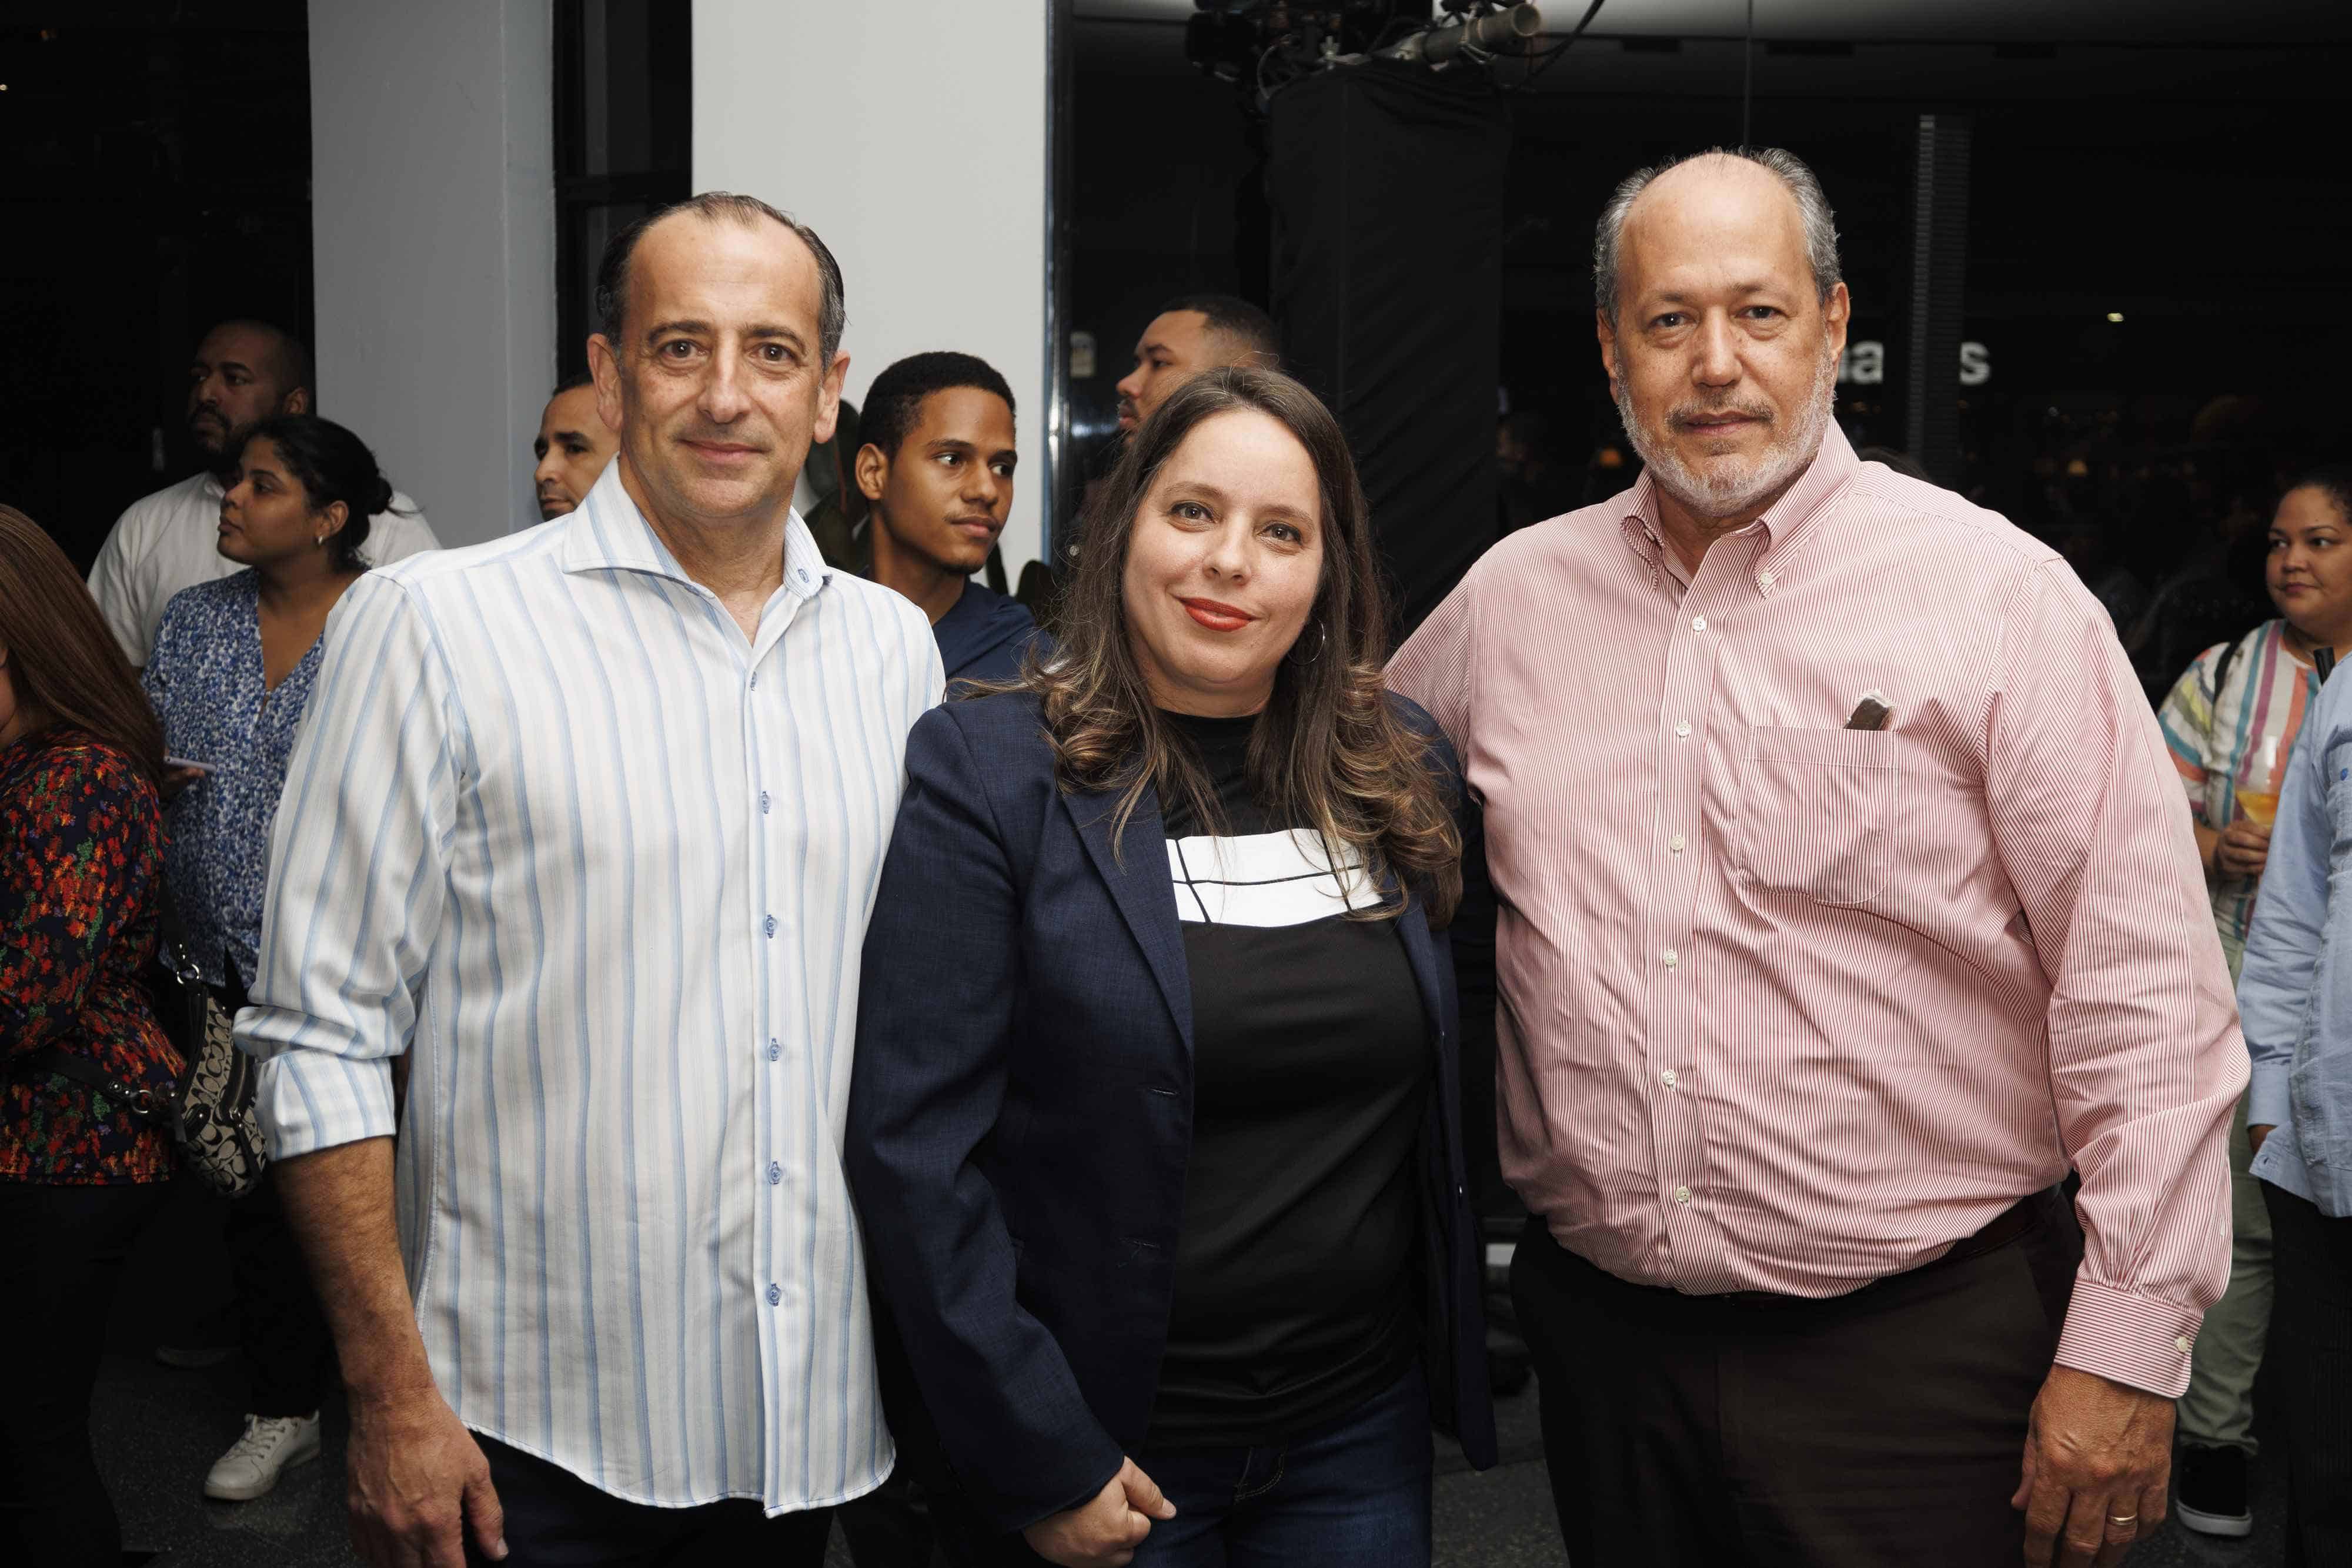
x,y
358,870
2146,1060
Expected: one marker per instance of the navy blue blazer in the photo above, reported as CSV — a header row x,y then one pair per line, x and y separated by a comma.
x,y
1021,1114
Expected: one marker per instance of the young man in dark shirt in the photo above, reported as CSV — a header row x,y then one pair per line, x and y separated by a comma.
x,y
937,467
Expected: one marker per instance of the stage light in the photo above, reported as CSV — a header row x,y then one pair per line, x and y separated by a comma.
x,y
2116,317
1477,36
1264,45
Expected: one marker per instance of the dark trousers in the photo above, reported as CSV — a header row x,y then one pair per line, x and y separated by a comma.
x,y
555,1519
1882,1426
2311,1352
1353,1494
280,1326
62,1255
889,1527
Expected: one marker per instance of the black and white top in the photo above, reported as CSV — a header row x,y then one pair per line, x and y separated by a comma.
x,y
1296,1291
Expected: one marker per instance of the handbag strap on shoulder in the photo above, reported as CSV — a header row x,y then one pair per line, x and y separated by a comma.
x,y
141,1103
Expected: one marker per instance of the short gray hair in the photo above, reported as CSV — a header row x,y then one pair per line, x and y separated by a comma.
x,y
1812,209
613,273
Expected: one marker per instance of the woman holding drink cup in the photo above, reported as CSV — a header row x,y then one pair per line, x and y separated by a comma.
x,y
2231,721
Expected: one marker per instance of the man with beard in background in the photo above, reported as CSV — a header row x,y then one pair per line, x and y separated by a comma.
x,y
1193,335
573,447
1845,902
244,372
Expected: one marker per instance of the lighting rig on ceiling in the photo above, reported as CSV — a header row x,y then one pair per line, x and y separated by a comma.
x,y
1262,46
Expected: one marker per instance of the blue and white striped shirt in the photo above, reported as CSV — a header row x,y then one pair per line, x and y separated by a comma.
x,y
603,869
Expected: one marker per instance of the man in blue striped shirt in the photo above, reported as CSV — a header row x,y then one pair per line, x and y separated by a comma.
x,y
587,823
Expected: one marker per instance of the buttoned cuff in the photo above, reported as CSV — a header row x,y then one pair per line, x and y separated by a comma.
x,y
310,1100
2129,1339
2266,1100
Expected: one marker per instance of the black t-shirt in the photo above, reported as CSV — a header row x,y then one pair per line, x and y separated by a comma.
x,y
1295,1297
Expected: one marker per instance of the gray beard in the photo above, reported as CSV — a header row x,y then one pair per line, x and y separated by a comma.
x,y
1728,494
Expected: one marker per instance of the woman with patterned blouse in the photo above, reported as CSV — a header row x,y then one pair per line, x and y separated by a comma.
x,y
230,675
81,863
2231,723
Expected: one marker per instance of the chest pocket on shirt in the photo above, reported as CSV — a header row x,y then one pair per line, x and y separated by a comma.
x,y
1813,805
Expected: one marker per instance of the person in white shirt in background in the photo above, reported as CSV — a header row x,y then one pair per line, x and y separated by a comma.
x,y
244,371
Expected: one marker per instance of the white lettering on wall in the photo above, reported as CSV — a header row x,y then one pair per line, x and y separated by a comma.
x,y
1865,364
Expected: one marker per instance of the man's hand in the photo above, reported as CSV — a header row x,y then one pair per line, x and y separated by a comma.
x,y
2098,1455
416,1480
2257,1133
1105,1533
2243,848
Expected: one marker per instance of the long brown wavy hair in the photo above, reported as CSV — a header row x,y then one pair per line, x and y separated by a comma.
x,y
63,662
1327,750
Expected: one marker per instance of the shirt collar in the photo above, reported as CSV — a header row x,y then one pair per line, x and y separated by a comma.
x,y
607,532
1783,524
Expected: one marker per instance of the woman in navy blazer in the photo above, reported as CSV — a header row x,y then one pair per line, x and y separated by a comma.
x,y
1154,1125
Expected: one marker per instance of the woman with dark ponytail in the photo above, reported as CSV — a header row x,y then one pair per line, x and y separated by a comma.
x,y
231,673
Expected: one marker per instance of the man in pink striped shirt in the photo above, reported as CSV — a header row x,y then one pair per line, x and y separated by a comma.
x,y
1845,903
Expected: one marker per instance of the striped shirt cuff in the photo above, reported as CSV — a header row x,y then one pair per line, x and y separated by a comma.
x,y
309,1101
2129,1339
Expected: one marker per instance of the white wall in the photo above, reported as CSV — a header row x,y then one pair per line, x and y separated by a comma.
x,y
911,136
433,219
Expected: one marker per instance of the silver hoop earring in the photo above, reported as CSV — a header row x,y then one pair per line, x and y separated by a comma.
x,y
1322,641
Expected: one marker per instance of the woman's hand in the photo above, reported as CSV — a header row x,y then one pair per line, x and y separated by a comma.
x,y
2243,847
1105,1531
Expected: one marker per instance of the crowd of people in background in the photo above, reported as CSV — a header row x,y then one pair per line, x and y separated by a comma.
x,y
761,1028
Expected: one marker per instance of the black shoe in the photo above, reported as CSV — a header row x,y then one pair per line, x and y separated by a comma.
x,y
2210,1490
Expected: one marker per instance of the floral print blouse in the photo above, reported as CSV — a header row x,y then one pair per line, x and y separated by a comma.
x,y
81,853
204,678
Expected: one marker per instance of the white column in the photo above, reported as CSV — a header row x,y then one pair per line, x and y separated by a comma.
x,y
911,136
433,217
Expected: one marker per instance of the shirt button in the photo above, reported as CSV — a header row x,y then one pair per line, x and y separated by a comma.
x,y
763,803
1698,623
775,1051
1676,843
1667,1077
775,1295
776,1173
1764,580
1682,1194
2181,1344
771,926
1673,957
1681,730
755,681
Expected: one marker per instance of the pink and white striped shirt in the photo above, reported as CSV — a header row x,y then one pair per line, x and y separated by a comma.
x,y
1789,1006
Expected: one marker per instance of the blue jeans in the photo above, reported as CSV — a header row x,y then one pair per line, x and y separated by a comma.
x,y
1354,1494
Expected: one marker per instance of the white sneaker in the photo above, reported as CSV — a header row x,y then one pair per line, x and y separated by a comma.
x,y
252,1464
